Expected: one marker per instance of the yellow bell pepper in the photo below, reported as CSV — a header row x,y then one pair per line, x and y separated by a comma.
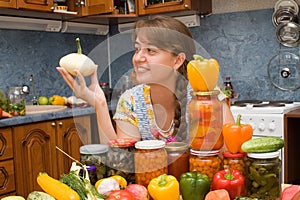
x,y
57,100
203,73
164,187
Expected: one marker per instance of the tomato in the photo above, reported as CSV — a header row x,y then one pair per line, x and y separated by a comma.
x,y
120,195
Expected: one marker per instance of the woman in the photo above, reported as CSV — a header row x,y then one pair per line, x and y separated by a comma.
x,y
156,107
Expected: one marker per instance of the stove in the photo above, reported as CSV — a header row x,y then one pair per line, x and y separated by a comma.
x,y
265,117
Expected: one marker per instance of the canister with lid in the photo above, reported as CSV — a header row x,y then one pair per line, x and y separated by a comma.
x,y
235,161
17,101
178,158
150,160
206,162
205,121
263,175
120,158
95,154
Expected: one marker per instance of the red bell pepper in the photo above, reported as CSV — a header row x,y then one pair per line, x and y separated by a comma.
x,y
231,180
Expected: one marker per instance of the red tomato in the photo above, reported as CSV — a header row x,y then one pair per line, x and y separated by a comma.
x,y
120,195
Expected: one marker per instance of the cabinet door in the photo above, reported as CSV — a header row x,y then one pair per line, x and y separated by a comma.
x,y
72,133
34,152
91,7
39,5
8,3
162,6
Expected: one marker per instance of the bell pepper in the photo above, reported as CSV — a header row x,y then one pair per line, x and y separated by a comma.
x,y
57,100
236,134
194,185
231,180
203,73
164,187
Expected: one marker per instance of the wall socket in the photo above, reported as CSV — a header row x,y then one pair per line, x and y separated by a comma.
x,y
190,20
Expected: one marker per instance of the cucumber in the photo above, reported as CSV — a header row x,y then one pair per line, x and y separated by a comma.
x,y
263,144
37,195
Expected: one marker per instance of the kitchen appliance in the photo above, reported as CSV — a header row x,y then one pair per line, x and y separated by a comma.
x,y
266,117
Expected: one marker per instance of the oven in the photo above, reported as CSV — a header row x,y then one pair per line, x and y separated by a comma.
x,y
265,117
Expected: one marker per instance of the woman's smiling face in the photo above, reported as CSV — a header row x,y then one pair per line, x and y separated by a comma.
x,y
151,64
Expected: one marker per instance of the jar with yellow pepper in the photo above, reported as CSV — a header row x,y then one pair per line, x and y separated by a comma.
x,y
205,121
206,162
151,160
235,161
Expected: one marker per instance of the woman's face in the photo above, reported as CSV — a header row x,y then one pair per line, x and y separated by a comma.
x,y
153,65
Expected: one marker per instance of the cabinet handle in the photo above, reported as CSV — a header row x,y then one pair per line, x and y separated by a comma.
x,y
60,123
53,124
186,6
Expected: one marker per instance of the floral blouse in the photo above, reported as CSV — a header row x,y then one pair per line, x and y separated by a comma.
x,y
135,107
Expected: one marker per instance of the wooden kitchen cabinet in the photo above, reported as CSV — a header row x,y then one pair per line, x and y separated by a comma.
x,y
146,7
7,178
35,149
38,5
91,7
8,3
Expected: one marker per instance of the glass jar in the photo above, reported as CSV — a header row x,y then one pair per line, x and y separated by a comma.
x,y
95,154
178,158
151,160
205,162
263,179
235,161
205,121
17,101
120,158
92,171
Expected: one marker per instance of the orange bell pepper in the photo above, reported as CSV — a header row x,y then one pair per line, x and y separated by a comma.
x,y
236,134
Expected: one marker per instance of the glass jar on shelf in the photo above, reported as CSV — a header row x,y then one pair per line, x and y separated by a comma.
x,y
17,101
205,121
263,178
178,158
120,158
95,154
151,160
206,162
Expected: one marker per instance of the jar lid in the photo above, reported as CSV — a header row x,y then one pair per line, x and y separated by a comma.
x,y
208,93
150,144
176,146
90,168
122,142
233,155
204,153
94,149
264,155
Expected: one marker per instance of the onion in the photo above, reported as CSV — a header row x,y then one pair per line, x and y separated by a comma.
x,y
139,192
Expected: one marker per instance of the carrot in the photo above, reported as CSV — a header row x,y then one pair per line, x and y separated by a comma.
x,y
6,114
220,194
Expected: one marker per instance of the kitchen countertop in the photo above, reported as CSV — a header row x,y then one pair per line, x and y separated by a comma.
x,y
69,112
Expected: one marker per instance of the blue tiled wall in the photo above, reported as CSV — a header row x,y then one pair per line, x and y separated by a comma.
x,y
243,43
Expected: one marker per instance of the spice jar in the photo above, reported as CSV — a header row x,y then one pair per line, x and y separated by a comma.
x,y
178,158
205,121
150,160
205,162
95,154
17,101
235,161
263,179
120,158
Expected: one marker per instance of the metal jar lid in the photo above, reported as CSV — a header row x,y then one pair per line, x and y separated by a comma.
x,y
176,146
284,15
150,144
288,34
268,155
94,149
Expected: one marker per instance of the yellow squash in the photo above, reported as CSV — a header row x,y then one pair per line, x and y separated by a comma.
x,y
203,73
55,188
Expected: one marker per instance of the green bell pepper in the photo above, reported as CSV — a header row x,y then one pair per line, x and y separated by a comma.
x,y
194,186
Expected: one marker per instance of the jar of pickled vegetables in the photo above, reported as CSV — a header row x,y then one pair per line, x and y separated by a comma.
x,y
95,154
178,158
17,101
120,158
235,161
205,121
206,162
150,160
263,175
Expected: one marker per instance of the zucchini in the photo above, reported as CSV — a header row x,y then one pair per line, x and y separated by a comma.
x,y
37,195
263,144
